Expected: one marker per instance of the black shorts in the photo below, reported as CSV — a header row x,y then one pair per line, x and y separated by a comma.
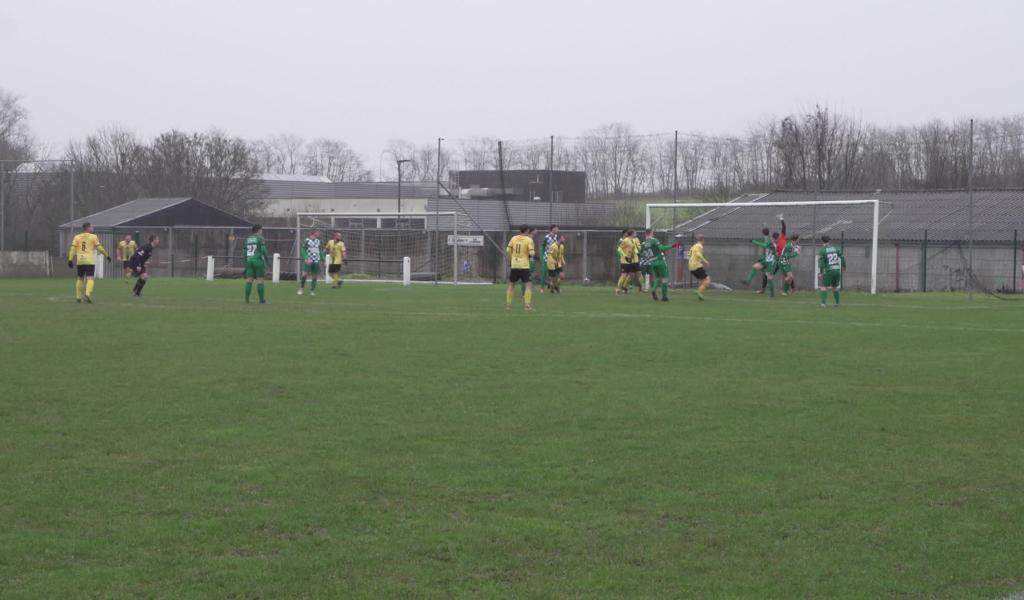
x,y
699,274
125,265
138,271
631,268
86,270
554,272
517,275
334,268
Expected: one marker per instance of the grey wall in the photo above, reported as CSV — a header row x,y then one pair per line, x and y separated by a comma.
x,y
24,264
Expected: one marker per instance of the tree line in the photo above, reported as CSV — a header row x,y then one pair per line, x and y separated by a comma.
x,y
816,149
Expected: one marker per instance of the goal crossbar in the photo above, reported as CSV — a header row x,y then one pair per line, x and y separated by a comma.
x,y
728,205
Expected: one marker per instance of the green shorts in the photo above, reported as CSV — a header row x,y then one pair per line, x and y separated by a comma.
x,y
255,269
785,267
313,267
831,279
645,269
658,270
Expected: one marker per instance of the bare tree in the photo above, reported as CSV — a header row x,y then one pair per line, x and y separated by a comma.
x,y
16,139
335,160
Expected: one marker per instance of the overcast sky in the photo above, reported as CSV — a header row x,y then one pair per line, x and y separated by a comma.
x,y
369,71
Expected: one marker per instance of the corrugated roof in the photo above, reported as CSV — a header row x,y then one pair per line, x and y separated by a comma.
x,y
161,212
903,216
313,190
123,213
490,215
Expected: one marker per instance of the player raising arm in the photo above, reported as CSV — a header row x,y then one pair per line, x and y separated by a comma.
x,y
83,251
137,264
697,264
520,253
255,263
831,264
125,250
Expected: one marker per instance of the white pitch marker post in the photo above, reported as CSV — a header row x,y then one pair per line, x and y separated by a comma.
x,y
406,271
210,268
823,203
276,268
100,264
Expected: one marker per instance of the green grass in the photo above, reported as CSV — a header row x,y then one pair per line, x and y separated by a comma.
x,y
379,441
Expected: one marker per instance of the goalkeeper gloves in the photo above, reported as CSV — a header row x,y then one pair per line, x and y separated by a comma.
x,y
108,259
71,265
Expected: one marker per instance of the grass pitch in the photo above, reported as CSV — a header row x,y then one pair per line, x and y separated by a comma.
x,y
379,441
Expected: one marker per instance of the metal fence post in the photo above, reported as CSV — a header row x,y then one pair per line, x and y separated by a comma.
x,y
1013,274
586,266
170,234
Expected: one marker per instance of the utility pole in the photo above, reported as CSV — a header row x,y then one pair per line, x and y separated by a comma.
x,y
437,214
675,166
3,203
400,162
551,169
970,216
501,177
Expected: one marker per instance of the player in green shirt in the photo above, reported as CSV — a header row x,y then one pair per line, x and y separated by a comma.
x,y
256,259
767,263
312,255
831,264
654,250
785,264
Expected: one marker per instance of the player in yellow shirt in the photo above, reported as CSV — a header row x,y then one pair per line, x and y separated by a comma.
x,y
520,252
83,251
336,254
555,263
629,257
125,249
697,264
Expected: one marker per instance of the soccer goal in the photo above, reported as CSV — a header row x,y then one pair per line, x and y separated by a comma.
x,y
728,228
377,244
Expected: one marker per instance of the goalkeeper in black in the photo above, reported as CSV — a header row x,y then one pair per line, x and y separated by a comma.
x,y
137,264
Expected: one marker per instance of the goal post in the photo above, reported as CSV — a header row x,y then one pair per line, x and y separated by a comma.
x,y
377,244
726,208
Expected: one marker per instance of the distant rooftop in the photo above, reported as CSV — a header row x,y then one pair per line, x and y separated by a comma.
x,y
355,190
285,177
159,212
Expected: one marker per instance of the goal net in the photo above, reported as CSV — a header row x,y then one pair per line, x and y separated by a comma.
x,y
728,229
376,244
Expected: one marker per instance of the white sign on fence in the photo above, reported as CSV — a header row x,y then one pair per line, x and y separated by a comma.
x,y
466,240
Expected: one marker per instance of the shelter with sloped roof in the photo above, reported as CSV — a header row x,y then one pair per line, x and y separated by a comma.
x,y
189,229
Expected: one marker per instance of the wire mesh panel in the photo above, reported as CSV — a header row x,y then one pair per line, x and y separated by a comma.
x,y
377,243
